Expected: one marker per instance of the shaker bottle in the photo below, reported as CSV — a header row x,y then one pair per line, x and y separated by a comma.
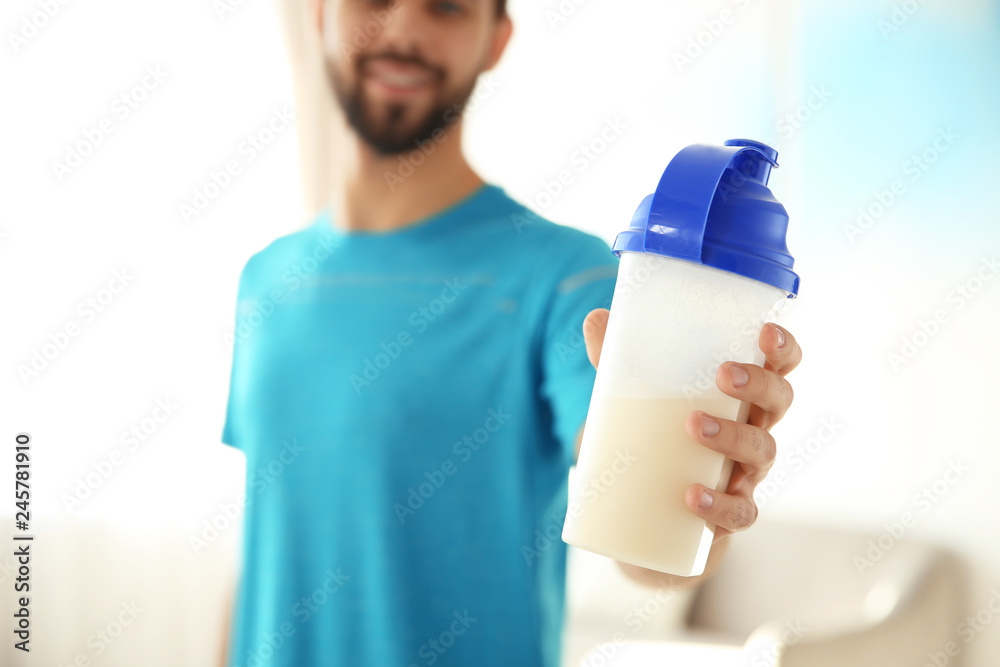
x,y
703,265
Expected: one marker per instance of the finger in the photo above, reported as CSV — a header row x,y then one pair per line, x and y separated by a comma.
x,y
731,512
780,348
738,478
594,326
766,389
745,443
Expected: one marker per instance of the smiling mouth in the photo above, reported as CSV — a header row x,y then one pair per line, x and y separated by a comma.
x,y
398,77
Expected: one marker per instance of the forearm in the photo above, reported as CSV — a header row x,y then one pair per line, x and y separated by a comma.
x,y
655,579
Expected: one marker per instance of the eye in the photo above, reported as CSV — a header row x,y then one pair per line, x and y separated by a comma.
x,y
447,7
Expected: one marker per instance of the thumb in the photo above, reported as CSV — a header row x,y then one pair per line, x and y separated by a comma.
x,y
594,326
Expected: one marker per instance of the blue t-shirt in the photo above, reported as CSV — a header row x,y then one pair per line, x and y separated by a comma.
x,y
408,403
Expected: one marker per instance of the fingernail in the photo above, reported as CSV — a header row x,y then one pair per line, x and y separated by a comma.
x,y
781,336
709,426
706,500
738,376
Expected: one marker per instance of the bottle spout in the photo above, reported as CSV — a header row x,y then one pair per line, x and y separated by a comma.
x,y
754,164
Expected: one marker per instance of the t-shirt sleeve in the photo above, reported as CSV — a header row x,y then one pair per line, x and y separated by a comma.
x,y
229,426
232,426
585,282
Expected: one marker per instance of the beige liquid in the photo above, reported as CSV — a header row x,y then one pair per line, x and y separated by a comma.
x,y
627,493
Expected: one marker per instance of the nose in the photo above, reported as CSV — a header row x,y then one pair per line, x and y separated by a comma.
x,y
404,28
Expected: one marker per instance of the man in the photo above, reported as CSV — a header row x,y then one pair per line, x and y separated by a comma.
x,y
409,386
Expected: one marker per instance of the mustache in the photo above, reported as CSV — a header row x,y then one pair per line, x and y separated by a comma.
x,y
437,72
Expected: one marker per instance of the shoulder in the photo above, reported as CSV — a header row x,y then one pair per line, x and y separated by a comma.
x,y
557,246
569,270
288,253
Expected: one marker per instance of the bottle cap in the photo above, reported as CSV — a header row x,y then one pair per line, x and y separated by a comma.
x,y
712,206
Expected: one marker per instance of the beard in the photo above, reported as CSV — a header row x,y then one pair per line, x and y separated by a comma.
x,y
394,134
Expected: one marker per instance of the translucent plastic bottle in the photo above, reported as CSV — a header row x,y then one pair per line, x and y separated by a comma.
x,y
703,266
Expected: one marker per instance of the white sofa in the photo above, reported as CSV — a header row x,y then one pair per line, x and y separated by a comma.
x,y
806,596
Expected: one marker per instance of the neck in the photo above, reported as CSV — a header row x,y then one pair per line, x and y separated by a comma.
x,y
383,193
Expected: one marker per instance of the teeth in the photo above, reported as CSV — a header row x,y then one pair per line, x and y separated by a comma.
x,y
402,80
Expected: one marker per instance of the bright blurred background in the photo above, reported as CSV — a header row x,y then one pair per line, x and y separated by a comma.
x,y
886,116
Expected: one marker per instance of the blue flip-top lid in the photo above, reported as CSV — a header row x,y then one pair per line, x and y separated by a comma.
x,y
712,206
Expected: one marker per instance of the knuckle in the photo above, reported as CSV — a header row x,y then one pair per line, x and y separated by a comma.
x,y
777,389
776,385
770,448
740,515
752,439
